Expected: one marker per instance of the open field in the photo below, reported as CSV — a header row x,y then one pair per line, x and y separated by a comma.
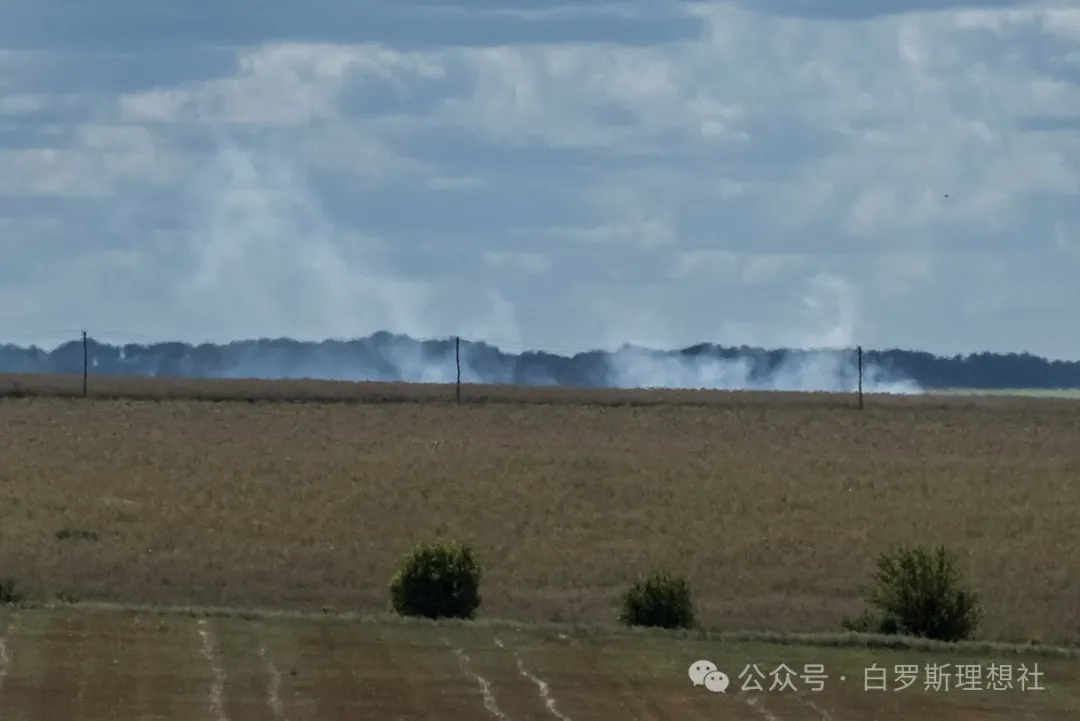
x,y
1029,392
773,506
102,387
94,665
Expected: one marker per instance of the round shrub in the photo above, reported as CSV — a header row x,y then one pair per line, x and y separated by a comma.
x,y
920,592
9,595
661,600
437,580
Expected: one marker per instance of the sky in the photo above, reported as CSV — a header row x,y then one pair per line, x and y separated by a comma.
x,y
546,175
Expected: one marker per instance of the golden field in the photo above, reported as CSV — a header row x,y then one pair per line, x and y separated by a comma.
x,y
774,505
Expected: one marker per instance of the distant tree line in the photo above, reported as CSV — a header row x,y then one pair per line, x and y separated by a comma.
x,y
388,357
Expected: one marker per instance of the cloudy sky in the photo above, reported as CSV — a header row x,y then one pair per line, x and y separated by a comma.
x,y
566,176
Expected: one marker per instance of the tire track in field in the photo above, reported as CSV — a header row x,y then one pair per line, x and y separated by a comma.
x,y
5,656
755,703
143,698
825,715
490,703
217,690
541,686
273,688
78,629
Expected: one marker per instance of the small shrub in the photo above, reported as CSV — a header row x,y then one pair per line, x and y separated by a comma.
x,y
919,592
66,596
9,595
438,580
76,534
661,600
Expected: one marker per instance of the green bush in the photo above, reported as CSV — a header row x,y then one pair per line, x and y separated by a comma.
x,y
66,596
919,592
661,600
8,593
438,580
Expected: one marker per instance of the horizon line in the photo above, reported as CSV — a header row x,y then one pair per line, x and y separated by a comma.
x,y
507,348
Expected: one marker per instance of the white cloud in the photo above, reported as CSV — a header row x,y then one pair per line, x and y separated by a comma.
x,y
709,262
285,84
97,158
929,159
758,269
532,263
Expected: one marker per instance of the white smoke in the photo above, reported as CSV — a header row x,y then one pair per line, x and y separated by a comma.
x,y
829,370
266,255
826,329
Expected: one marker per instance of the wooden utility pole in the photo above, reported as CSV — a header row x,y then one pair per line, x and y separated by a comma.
x,y
457,360
85,366
860,379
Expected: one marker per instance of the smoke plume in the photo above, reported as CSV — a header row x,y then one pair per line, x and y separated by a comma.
x,y
820,355
262,253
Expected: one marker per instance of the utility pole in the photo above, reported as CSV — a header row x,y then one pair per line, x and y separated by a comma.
x,y
860,379
85,366
457,360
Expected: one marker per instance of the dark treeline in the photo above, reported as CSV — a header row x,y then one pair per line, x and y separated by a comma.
x,y
387,357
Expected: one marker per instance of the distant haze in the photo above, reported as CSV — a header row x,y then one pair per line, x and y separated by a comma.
x,y
386,357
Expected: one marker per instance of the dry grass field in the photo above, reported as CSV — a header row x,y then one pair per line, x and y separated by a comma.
x,y
1030,392
773,505
91,665
15,385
